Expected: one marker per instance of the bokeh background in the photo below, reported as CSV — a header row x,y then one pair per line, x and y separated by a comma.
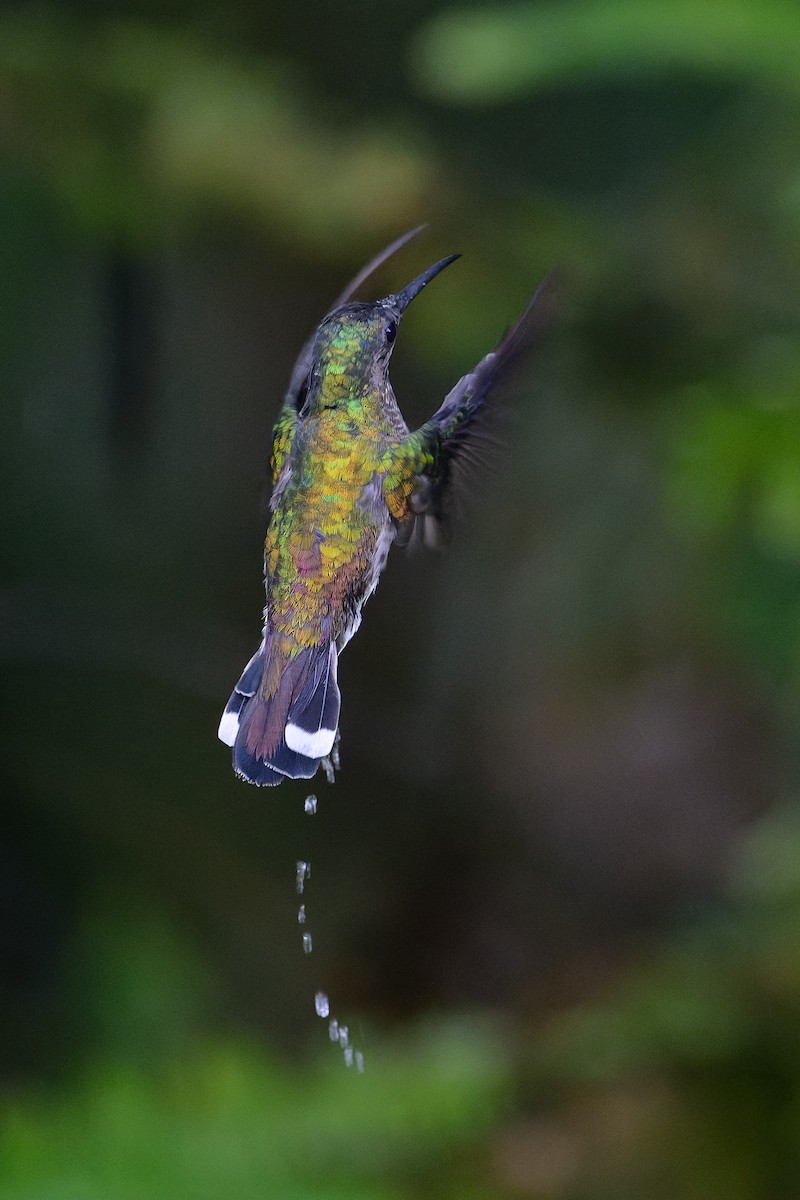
x,y
555,889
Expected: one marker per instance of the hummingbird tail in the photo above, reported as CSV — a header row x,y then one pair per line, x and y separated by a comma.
x,y
314,716
287,734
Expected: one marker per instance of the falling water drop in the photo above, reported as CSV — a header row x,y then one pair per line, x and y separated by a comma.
x,y
310,804
335,762
327,767
339,1034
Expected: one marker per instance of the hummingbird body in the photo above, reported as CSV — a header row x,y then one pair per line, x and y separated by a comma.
x,y
348,479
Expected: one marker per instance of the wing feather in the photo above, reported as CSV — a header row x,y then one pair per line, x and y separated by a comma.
x,y
462,430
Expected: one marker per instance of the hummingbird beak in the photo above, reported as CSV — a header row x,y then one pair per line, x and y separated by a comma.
x,y
402,300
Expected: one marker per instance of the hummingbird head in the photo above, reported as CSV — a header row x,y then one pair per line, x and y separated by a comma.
x,y
354,343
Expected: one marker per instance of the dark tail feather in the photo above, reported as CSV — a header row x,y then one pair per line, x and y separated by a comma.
x,y
283,763
256,727
314,716
245,688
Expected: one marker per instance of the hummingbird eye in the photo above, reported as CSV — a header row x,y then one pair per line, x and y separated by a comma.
x,y
390,332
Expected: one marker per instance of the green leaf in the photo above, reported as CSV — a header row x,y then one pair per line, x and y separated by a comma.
x,y
491,55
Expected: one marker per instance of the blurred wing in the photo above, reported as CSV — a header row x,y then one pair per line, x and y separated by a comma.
x,y
302,366
460,428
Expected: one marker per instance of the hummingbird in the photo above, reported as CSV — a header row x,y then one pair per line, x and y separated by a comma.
x,y
348,479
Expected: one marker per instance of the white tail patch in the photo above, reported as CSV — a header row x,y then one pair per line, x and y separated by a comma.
x,y
313,719
228,728
312,745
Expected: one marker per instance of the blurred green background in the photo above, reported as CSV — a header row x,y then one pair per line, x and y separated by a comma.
x,y
555,889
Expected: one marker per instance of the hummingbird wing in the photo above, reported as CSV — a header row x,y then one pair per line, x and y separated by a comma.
x,y
430,468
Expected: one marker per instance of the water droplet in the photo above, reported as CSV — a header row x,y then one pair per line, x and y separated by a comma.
x,y
311,804
333,1029
307,943
335,758
301,915
327,767
359,1062
321,1004
348,1056
344,1036
302,873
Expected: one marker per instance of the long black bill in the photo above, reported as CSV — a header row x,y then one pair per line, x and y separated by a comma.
x,y
404,298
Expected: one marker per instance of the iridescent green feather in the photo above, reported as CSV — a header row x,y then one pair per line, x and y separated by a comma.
x,y
283,436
